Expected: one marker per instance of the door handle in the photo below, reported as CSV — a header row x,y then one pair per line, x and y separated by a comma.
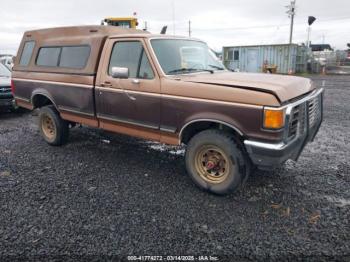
x,y
135,81
129,96
106,84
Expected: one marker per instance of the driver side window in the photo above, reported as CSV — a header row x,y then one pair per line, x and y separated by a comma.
x,y
131,54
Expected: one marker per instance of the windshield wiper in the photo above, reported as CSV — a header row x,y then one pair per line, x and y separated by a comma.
x,y
217,67
185,70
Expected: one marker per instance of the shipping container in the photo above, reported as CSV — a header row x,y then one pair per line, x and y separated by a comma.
x,y
282,58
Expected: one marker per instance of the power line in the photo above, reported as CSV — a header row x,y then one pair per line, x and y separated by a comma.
x,y
259,26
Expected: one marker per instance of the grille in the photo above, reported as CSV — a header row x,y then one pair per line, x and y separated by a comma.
x,y
314,111
5,89
297,119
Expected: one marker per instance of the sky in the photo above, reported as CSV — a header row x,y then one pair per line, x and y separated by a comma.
x,y
219,22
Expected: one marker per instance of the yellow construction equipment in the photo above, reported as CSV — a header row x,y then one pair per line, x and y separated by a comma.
x,y
126,22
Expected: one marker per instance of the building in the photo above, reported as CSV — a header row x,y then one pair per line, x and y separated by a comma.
x,y
281,59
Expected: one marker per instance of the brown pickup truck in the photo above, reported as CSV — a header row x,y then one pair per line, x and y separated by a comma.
x,y
168,89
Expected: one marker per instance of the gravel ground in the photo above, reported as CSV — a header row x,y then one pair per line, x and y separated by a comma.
x,y
108,196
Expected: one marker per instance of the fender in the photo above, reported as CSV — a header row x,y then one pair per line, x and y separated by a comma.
x,y
43,92
209,120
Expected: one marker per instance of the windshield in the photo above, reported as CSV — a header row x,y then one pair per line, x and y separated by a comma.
x,y
178,56
4,71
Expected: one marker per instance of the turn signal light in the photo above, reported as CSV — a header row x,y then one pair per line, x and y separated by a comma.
x,y
273,119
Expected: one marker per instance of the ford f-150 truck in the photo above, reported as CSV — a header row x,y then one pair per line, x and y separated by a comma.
x,y
168,89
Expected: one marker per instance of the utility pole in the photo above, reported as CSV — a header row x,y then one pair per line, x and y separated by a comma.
x,y
308,36
310,21
189,28
291,13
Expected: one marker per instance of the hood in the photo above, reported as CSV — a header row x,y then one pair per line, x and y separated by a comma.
x,y
283,87
5,81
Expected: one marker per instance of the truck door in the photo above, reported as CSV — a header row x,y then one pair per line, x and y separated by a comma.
x,y
132,105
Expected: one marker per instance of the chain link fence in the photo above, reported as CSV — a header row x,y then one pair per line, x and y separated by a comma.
x,y
330,62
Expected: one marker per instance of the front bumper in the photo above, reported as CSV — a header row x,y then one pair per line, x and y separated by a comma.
x,y
271,155
8,102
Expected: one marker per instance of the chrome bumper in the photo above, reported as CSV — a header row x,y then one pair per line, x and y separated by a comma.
x,y
271,155
8,102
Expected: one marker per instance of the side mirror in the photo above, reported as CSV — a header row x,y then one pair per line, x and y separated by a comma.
x,y
120,72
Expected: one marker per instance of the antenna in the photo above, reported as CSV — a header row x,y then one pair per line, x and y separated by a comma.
x,y
173,8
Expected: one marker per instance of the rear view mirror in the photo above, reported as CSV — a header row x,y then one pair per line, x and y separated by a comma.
x,y
120,72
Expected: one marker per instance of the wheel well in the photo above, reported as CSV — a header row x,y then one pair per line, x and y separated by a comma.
x,y
196,127
40,101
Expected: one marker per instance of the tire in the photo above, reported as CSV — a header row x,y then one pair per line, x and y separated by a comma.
x,y
216,163
52,127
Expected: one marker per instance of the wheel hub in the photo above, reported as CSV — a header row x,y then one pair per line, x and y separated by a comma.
x,y
212,164
48,126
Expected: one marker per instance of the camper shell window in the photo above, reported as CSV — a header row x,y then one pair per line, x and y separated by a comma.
x,y
27,53
74,56
48,56
64,56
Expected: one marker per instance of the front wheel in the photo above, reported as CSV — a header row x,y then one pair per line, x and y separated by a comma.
x,y
52,127
215,162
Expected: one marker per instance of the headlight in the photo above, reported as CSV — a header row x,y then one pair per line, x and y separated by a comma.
x,y
274,118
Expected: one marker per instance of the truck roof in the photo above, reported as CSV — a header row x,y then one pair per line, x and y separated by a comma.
x,y
90,31
81,32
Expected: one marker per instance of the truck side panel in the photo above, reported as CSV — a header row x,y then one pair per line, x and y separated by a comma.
x,y
71,94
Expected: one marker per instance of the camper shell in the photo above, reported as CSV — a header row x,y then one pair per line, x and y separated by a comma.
x,y
92,36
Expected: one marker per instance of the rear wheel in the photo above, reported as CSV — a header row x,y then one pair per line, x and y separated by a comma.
x,y
52,127
215,162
